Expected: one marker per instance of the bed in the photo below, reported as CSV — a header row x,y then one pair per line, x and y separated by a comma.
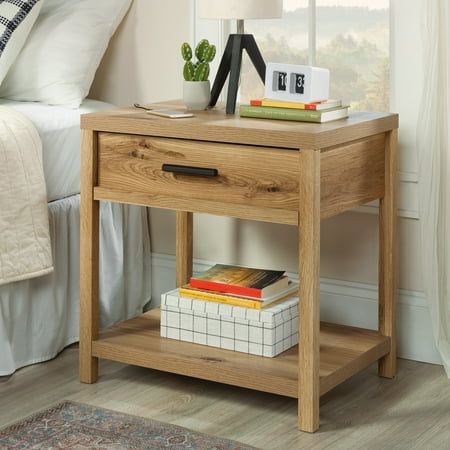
x,y
39,317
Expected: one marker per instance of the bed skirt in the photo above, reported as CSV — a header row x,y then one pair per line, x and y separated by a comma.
x,y
39,317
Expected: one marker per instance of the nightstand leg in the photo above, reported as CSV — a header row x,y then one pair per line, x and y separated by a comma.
x,y
309,270
89,258
387,258
184,247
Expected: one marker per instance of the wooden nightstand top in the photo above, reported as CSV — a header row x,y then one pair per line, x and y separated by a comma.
x,y
214,125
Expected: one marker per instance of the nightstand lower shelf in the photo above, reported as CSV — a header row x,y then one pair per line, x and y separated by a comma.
x,y
344,351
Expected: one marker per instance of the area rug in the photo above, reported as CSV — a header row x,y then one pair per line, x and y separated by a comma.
x,y
71,425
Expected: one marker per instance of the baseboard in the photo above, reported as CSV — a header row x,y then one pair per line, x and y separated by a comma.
x,y
343,302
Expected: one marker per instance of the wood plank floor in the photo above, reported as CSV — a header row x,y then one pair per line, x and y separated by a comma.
x,y
411,412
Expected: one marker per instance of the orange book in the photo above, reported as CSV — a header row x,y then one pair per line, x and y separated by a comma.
x,y
255,283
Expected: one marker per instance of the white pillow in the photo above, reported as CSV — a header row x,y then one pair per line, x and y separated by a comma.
x,y
58,63
16,21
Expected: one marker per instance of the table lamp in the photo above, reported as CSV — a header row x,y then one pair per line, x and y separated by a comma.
x,y
232,57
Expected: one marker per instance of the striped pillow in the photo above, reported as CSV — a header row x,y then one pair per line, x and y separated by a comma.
x,y
17,17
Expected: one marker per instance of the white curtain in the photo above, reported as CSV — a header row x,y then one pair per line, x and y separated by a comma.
x,y
434,175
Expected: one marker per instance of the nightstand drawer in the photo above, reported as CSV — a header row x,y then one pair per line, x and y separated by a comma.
x,y
237,174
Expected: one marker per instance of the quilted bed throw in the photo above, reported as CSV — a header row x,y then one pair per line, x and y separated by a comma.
x,y
25,248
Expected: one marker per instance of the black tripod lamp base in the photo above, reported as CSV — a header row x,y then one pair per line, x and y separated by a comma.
x,y
231,65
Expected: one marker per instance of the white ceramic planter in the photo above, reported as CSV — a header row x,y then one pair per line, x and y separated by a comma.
x,y
196,95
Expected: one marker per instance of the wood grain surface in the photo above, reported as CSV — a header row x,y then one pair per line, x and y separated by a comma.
x,y
89,254
309,309
351,175
271,215
184,246
215,126
344,350
387,278
247,175
259,178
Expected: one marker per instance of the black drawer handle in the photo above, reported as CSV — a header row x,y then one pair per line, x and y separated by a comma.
x,y
190,170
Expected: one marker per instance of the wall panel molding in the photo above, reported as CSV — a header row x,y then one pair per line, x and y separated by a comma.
x,y
342,301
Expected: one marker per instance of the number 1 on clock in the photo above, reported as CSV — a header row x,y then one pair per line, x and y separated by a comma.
x,y
282,81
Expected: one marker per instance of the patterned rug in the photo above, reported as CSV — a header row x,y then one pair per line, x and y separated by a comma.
x,y
71,425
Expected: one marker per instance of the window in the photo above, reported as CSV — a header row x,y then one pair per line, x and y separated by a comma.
x,y
373,48
349,37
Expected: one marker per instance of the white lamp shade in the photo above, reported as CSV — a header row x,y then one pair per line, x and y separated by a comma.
x,y
240,9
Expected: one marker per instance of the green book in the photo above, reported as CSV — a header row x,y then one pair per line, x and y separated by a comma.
x,y
296,115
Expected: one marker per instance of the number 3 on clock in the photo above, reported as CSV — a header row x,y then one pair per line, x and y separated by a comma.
x,y
299,83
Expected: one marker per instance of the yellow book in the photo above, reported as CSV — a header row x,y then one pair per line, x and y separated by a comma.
x,y
188,291
297,105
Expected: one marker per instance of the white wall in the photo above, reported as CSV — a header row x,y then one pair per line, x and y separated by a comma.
x,y
349,245
143,64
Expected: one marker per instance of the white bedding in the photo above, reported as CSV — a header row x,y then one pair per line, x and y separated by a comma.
x,y
39,317
59,129
25,249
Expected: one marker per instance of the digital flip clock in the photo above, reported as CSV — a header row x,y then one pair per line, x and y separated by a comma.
x,y
296,83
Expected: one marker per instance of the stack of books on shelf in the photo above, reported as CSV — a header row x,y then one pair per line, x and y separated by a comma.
x,y
235,308
240,286
318,112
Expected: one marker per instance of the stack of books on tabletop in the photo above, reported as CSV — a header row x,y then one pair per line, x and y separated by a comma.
x,y
235,308
318,112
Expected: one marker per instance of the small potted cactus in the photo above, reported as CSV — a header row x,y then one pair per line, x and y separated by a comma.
x,y
196,91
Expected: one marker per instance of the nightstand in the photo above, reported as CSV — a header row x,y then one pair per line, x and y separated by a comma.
x,y
274,171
